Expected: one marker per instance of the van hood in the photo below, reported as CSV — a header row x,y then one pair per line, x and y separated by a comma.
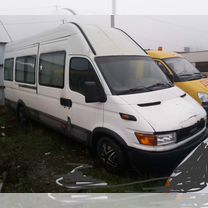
x,y
166,110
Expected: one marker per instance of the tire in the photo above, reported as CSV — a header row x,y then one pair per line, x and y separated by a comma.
x,y
21,114
111,155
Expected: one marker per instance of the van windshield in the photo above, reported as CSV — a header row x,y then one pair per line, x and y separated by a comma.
x,y
132,74
183,69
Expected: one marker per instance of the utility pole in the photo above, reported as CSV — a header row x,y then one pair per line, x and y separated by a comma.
x,y
113,13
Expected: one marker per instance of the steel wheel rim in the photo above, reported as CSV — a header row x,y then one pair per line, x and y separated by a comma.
x,y
108,155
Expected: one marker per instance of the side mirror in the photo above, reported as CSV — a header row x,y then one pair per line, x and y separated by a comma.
x,y
94,93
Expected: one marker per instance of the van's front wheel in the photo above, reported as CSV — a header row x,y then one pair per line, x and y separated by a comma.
x,y
111,155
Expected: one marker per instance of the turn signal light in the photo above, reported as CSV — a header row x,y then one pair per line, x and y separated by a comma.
x,y
147,139
128,117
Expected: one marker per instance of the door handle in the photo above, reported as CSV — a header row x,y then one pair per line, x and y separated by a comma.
x,y
66,102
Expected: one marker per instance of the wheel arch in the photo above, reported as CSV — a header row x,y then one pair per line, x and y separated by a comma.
x,y
20,103
100,132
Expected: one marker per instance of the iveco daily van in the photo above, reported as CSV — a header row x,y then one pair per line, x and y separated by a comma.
x,y
99,86
184,74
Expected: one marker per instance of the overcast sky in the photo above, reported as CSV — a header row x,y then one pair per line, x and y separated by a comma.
x,y
171,24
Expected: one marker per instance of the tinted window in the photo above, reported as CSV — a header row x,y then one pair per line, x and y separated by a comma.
x,y
131,74
184,70
25,69
51,70
81,70
8,69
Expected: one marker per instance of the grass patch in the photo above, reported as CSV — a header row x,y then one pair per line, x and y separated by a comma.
x,y
32,157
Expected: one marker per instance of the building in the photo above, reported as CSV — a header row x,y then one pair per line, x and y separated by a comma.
x,y
3,40
199,59
2,47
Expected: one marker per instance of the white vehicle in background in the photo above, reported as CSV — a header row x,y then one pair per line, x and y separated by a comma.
x,y
99,86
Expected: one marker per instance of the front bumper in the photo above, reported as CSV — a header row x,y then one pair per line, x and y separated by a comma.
x,y
153,159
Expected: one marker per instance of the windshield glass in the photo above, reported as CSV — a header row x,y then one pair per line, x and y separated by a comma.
x,y
183,69
132,74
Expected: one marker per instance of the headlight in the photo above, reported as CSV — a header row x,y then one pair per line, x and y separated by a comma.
x,y
203,97
156,140
165,139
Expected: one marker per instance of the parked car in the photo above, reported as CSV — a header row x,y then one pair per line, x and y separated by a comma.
x,y
100,87
184,74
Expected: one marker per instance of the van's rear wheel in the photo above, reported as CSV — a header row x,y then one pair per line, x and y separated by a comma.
x,y
111,155
21,114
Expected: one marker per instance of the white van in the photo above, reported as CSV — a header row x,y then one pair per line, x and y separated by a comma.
x,y
99,86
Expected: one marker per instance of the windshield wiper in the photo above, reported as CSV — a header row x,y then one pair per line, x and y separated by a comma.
x,y
196,73
184,75
133,90
193,76
159,84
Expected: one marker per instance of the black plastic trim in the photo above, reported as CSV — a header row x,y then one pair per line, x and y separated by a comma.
x,y
66,102
102,130
184,95
129,117
27,86
85,36
132,39
138,157
149,104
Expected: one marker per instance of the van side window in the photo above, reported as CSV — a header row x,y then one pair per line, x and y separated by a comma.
x,y
8,69
51,69
25,69
81,70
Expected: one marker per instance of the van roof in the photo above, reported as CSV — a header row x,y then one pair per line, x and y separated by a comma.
x,y
162,54
101,41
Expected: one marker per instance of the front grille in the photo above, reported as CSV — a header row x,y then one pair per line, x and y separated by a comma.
x,y
187,132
